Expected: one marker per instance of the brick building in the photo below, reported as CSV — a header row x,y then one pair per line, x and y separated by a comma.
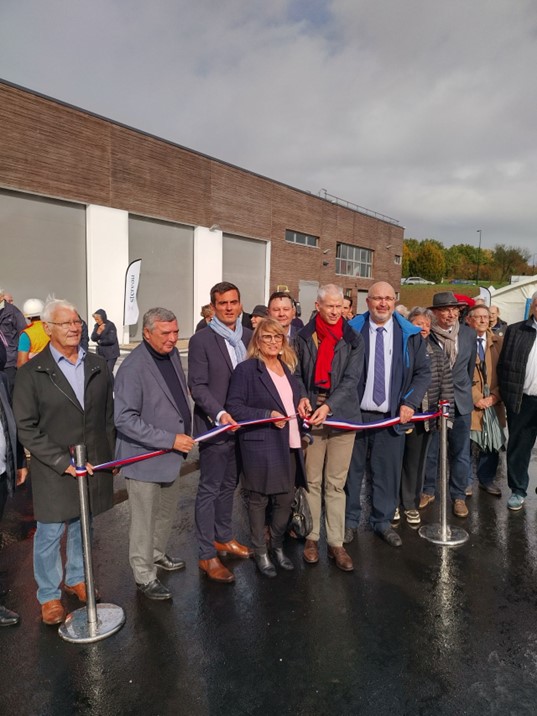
x,y
81,196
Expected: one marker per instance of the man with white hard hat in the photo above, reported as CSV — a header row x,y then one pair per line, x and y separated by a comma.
x,y
33,338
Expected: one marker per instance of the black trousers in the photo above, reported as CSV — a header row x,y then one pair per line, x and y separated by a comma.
x,y
3,493
522,434
414,461
279,518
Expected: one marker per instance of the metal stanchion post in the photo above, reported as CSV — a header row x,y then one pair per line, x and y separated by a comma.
x,y
443,533
94,621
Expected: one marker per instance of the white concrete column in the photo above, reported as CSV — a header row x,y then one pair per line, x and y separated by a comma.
x,y
208,261
107,247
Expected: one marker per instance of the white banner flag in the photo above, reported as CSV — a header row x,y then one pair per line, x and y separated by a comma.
x,y
132,279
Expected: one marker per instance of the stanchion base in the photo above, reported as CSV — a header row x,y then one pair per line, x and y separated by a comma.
x,y
76,629
434,533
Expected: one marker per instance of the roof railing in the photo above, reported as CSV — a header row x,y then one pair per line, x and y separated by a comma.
x,y
356,207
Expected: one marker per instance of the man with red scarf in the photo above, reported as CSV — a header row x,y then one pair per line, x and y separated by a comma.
x,y
330,360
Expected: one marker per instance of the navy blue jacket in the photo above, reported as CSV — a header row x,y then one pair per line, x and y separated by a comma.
x,y
411,376
267,462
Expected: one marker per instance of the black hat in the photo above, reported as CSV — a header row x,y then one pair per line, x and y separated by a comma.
x,y
446,299
260,310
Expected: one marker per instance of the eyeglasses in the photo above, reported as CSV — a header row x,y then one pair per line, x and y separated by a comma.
x,y
269,338
66,325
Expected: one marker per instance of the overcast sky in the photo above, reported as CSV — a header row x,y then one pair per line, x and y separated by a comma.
x,y
424,110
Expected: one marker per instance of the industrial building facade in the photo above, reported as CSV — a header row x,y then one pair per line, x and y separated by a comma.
x,y
82,196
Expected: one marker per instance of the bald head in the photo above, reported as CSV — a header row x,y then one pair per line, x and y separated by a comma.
x,y
381,302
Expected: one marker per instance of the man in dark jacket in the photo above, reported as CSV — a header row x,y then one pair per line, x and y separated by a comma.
x,y
12,463
62,398
517,377
458,341
105,336
12,322
394,380
330,357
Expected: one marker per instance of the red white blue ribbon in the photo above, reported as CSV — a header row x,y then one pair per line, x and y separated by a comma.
x,y
218,430
386,423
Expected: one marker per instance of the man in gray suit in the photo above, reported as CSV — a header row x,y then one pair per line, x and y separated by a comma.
x,y
457,340
151,413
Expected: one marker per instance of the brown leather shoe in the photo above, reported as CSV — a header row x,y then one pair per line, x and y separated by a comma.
x,y
425,500
311,551
215,570
341,558
52,612
79,590
460,509
234,549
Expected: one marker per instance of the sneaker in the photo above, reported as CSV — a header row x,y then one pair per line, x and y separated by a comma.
x,y
396,515
515,502
469,491
460,509
412,517
490,487
425,500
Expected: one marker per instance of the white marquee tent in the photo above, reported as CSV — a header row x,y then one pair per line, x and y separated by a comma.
x,y
513,300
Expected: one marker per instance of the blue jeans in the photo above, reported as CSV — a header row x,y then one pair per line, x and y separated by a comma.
x,y
48,569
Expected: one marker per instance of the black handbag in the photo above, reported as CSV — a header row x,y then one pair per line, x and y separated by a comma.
x,y
301,519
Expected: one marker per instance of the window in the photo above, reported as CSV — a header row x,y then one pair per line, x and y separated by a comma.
x,y
397,260
353,261
295,237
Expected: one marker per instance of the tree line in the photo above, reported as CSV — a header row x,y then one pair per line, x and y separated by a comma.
x,y
430,259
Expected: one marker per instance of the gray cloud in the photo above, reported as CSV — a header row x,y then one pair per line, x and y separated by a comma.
x,y
420,110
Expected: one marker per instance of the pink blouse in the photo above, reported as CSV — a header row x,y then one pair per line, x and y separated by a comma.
x,y
283,386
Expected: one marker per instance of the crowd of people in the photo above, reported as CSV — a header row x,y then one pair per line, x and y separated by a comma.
x,y
293,383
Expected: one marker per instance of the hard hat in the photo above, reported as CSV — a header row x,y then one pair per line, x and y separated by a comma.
x,y
32,307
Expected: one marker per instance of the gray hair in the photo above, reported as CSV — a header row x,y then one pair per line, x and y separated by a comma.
x,y
479,306
329,289
420,311
53,305
157,314
533,298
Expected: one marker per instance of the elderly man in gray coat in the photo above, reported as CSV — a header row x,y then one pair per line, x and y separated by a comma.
x,y
152,412
63,397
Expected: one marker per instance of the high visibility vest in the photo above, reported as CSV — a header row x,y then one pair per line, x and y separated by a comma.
x,y
38,337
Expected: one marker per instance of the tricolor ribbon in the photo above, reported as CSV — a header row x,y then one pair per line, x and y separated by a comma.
x,y
218,430
386,423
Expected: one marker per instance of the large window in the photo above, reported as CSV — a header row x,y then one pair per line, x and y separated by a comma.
x,y
353,261
295,237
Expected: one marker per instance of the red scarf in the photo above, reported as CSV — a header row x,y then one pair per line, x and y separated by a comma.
x,y
328,337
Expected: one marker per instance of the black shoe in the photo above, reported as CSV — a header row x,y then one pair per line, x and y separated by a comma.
x,y
491,488
8,618
154,590
391,537
264,565
169,563
281,559
349,535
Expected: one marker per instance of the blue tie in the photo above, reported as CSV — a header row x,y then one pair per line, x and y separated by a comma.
x,y
480,350
379,389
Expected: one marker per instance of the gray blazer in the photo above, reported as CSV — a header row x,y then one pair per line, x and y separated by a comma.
x,y
147,417
463,370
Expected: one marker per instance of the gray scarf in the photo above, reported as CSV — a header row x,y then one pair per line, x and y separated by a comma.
x,y
448,338
233,337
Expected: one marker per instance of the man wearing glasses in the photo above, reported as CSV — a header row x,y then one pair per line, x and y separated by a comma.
x,y
395,377
63,397
458,341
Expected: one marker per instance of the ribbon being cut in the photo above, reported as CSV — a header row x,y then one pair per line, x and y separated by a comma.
x,y
219,429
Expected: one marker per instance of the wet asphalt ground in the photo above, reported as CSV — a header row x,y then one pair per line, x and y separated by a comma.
x,y
417,630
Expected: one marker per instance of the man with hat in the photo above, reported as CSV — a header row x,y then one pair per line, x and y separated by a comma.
x,y
33,339
458,342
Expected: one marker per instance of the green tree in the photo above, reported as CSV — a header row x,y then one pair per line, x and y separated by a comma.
x,y
430,261
509,261
410,252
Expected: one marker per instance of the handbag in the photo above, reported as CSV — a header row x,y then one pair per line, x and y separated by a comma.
x,y
301,519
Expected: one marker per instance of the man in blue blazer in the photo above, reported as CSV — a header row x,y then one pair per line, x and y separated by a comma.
x,y
212,356
152,412
458,342
395,378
